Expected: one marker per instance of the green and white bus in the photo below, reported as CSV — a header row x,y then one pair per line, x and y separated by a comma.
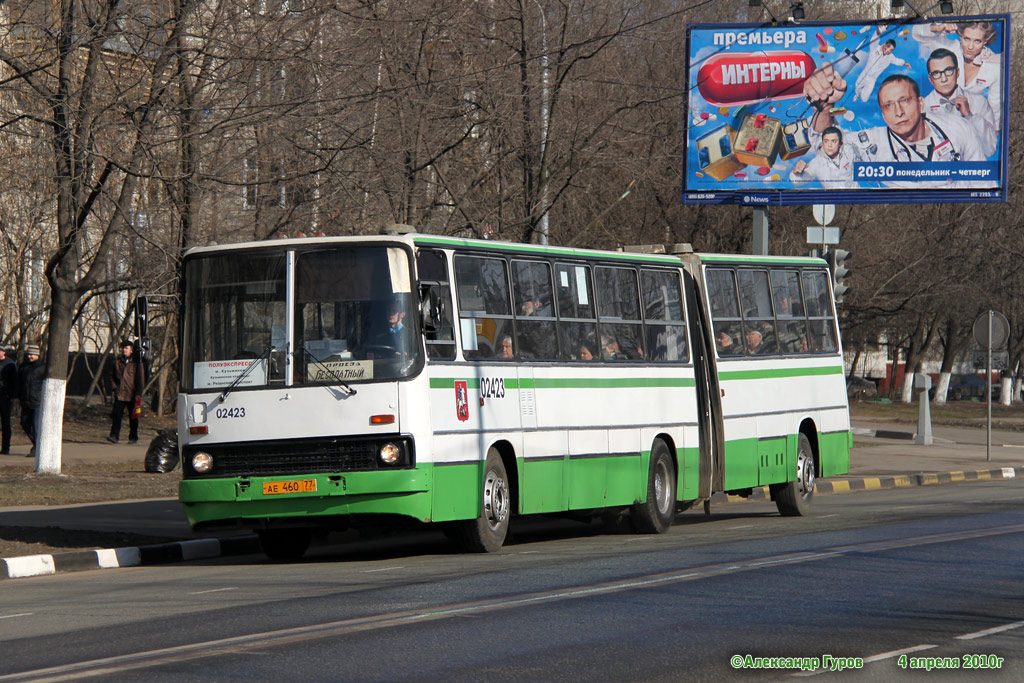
x,y
332,382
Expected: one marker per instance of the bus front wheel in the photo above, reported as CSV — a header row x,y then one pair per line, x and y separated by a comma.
x,y
794,498
654,516
486,533
284,544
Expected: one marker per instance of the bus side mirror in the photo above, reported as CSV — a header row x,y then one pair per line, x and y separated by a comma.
x,y
431,308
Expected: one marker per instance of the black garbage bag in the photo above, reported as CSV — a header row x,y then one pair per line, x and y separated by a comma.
x,y
162,454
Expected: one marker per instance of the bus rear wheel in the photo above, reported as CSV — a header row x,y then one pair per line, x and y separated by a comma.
x,y
284,544
794,498
655,515
486,533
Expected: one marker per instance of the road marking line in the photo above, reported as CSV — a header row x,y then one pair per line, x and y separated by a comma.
x,y
897,653
744,526
213,590
824,516
243,643
22,614
990,631
872,658
383,569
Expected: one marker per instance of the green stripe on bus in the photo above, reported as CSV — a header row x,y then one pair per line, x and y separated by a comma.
x,y
614,382
776,373
571,383
474,383
767,260
547,251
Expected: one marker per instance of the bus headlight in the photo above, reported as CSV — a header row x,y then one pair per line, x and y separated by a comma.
x,y
202,462
390,453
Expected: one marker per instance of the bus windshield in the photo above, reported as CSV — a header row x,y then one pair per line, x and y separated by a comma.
x,y
352,316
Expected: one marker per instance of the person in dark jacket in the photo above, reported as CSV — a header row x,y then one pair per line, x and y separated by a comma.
x,y
8,393
30,392
126,382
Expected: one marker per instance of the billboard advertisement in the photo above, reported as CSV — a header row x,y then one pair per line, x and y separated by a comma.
x,y
847,113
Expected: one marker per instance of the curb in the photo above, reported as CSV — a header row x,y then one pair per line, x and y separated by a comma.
x,y
110,558
898,481
208,548
883,433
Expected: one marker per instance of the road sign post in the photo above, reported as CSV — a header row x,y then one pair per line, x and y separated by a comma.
x,y
991,330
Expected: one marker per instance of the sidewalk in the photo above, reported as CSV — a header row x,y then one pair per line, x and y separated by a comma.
x,y
884,456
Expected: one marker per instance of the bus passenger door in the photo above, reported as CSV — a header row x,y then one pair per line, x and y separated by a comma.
x,y
709,406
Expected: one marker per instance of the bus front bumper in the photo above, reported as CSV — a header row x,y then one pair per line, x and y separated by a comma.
x,y
253,501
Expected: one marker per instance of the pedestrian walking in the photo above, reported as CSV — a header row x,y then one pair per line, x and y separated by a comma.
x,y
8,393
127,377
30,392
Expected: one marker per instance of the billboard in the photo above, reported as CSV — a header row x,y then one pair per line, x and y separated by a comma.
x,y
847,113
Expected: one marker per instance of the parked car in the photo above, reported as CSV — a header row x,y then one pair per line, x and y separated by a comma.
x,y
966,386
861,388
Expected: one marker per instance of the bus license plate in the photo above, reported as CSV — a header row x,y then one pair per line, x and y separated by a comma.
x,y
294,486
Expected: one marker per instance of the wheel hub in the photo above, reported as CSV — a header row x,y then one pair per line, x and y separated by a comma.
x,y
496,499
805,474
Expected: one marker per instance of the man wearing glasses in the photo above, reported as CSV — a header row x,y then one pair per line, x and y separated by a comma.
x,y
949,97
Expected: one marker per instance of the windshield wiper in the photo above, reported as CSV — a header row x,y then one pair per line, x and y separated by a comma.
x,y
245,373
349,391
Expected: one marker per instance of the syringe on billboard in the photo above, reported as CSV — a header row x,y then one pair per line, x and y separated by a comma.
x,y
910,111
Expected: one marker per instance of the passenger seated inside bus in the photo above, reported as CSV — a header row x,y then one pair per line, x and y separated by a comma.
x,y
753,339
769,344
506,347
585,353
726,344
611,349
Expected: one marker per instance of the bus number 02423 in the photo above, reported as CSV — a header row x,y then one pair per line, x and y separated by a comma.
x,y
229,412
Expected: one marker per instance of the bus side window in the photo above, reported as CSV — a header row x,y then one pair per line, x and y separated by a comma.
x,y
663,316
435,295
485,312
758,319
789,311
820,320
577,324
618,305
535,311
725,311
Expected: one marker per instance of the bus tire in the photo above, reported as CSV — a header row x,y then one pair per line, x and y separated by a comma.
x,y
284,544
486,533
794,498
655,515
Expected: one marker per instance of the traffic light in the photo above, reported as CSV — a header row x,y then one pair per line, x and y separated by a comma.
x,y
141,315
837,266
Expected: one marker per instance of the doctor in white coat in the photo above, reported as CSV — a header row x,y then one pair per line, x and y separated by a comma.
x,y
948,97
879,58
908,136
980,69
832,166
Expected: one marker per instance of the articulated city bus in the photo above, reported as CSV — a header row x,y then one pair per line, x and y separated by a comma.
x,y
332,382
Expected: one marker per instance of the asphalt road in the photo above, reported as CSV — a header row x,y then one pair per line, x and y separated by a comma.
x,y
924,572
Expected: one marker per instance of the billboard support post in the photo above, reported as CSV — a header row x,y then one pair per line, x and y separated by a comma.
x,y
760,231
